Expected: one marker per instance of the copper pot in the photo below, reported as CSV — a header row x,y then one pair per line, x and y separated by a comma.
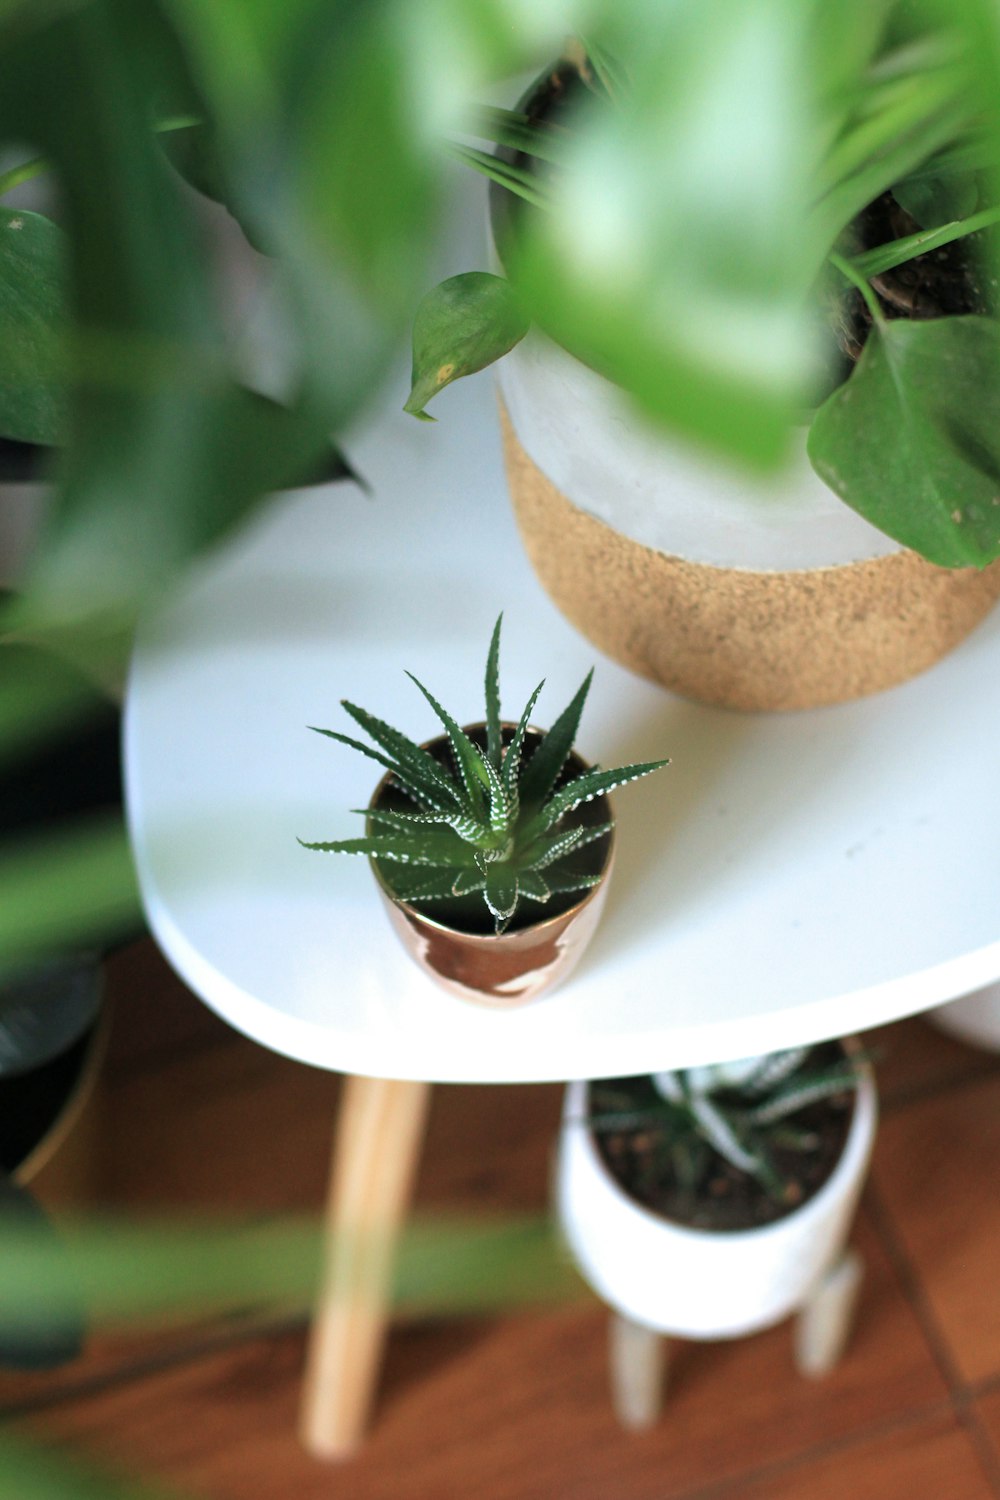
x,y
533,954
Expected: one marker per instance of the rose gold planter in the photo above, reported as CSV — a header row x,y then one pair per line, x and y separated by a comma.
x,y
512,967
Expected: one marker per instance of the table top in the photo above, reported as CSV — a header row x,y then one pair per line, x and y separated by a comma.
x,y
787,878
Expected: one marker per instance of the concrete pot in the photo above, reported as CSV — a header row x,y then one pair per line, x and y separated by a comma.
x,y
722,589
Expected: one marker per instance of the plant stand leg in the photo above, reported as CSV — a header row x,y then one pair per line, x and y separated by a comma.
x,y
824,1322
637,1364
377,1148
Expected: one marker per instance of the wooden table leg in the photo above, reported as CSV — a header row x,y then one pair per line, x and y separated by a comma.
x,y
379,1135
638,1358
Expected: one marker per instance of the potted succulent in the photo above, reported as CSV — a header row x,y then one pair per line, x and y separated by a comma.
x,y
714,1201
491,844
782,596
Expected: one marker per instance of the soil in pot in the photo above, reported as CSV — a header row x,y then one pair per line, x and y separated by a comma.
x,y
724,1198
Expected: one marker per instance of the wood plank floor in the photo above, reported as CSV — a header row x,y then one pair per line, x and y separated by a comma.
x,y
513,1405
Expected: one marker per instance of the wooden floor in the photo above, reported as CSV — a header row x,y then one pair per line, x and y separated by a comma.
x,y
513,1406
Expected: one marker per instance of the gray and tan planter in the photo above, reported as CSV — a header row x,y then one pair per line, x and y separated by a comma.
x,y
752,596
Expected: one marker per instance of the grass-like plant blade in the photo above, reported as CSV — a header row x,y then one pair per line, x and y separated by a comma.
x,y
520,181
33,321
886,257
509,127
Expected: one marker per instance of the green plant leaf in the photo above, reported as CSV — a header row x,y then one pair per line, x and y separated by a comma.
x,y
591,784
492,693
50,1332
72,888
33,317
419,772
472,767
933,201
514,751
912,440
501,892
442,847
461,326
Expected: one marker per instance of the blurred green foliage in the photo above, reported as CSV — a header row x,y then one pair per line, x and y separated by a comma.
x,y
683,257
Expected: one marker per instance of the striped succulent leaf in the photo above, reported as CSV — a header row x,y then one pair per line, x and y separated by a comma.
x,y
598,783
741,1110
467,757
545,767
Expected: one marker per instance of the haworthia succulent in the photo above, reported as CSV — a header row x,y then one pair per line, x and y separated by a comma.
x,y
490,817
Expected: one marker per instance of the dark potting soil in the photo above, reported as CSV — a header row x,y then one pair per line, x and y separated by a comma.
x,y
725,1197
947,282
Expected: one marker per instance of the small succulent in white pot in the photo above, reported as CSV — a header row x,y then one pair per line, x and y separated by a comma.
x,y
488,831
687,1137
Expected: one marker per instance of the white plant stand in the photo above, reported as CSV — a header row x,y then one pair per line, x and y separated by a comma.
x,y
639,1356
787,880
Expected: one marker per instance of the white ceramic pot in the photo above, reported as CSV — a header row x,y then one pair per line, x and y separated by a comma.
x,y
974,1018
692,1282
732,591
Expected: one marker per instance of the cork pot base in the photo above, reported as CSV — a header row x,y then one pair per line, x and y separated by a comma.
x,y
734,637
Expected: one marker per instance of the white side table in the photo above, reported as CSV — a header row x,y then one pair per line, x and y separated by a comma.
x,y
788,878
